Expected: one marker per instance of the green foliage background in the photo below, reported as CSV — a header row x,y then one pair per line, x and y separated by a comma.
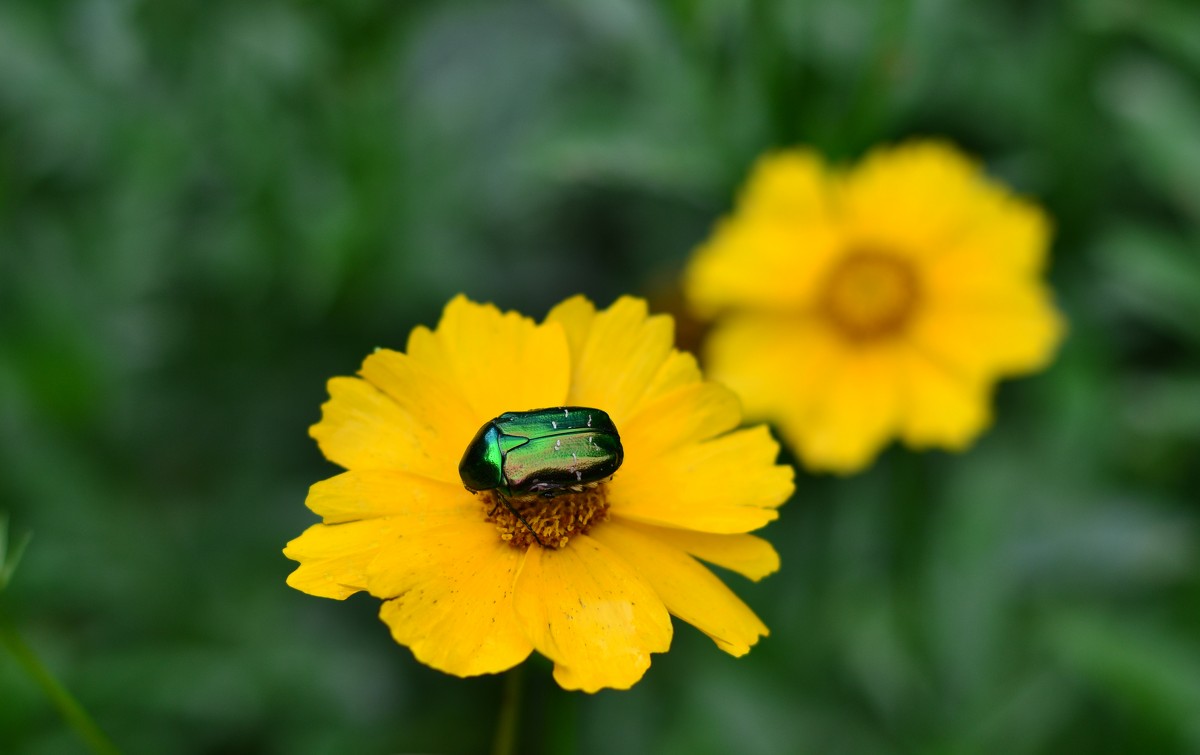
x,y
209,207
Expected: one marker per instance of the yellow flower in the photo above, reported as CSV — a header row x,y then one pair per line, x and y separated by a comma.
x,y
885,301
464,586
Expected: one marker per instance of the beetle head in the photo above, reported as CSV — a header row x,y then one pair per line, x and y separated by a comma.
x,y
482,466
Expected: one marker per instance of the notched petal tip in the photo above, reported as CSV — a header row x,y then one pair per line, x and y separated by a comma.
x,y
448,598
334,557
315,582
577,302
587,610
689,590
748,555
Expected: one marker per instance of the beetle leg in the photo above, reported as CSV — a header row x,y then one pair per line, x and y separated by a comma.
x,y
517,514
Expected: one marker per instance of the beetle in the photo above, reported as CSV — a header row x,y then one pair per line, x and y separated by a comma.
x,y
541,452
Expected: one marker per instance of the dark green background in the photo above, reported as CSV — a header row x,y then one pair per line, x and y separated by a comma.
x,y
207,208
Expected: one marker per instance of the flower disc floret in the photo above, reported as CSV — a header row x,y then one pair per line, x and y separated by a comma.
x,y
549,522
464,584
869,295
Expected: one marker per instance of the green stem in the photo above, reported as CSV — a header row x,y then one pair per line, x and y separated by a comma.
x,y
70,709
505,742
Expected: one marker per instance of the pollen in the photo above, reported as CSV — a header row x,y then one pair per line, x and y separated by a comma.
x,y
870,294
554,520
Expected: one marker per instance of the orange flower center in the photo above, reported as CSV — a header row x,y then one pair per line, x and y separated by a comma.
x,y
870,294
554,520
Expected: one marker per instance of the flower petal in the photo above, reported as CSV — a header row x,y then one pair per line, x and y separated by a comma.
x,y
370,493
436,411
991,329
677,371
689,590
690,414
942,407
361,428
728,484
585,609
778,366
761,264
748,555
334,558
1007,233
792,184
621,355
858,413
575,315
498,362
775,248
915,197
450,591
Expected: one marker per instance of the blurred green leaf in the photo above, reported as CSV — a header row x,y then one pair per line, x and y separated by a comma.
x,y
1168,26
1163,406
1158,110
1148,671
10,559
1153,275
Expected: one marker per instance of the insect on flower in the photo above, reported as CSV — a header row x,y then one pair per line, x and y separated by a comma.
x,y
543,452
546,549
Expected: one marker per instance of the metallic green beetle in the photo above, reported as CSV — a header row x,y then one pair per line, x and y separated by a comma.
x,y
543,452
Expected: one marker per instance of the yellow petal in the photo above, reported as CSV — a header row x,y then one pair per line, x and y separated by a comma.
x,y
777,366
575,315
373,493
451,594
775,248
1014,332
748,555
689,590
1006,234
857,414
361,428
498,362
994,261
690,414
941,407
790,184
917,197
585,609
761,264
334,558
436,412
621,355
728,484
677,371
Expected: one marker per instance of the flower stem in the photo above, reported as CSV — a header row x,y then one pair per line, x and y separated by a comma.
x,y
505,742
70,709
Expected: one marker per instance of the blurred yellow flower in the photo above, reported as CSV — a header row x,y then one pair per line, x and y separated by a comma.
x,y
464,586
884,301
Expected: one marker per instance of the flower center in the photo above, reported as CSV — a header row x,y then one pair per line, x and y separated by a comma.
x,y
870,294
554,520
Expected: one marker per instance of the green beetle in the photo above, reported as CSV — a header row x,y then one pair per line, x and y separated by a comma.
x,y
542,452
